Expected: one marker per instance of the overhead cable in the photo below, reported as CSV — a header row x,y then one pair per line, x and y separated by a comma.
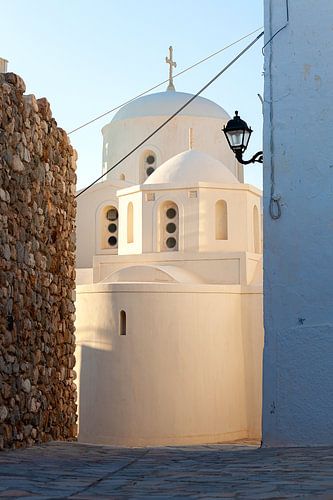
x,y
280,29
162,83
275,210
173,115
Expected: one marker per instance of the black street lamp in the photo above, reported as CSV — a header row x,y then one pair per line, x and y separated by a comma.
x,y
238,135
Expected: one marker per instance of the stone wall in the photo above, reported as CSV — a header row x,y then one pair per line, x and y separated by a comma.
x,y
37,271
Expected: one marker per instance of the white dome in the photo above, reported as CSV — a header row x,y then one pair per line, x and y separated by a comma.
x,y
192,166
166,103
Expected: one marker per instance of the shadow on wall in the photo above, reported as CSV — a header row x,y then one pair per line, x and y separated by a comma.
x,y
94,390
112,409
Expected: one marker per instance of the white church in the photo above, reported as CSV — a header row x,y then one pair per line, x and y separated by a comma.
x,y
169,271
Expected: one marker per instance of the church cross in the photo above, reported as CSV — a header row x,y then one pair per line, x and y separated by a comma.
x,y
172,64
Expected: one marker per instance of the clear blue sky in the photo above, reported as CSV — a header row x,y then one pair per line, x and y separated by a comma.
x,y
87,57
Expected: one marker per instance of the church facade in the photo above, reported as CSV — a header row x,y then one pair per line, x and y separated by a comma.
x,y
169,283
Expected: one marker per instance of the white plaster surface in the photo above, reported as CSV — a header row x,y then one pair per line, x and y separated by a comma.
x,y
298,263
192,166
167,103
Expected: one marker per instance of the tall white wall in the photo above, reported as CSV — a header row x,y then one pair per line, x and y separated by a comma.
x,y
298,282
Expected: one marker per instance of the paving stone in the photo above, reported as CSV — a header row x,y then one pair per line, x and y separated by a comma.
x,y
63,470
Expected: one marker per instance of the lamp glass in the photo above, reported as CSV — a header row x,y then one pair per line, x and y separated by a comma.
x,y
235,138
246,138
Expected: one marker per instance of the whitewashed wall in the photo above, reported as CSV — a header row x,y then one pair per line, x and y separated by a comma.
x,y
298,132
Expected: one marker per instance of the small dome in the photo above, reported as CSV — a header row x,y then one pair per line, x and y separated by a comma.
x,y
166,103
192,166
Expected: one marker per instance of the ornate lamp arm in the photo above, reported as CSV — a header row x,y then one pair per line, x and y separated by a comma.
x,y
258,157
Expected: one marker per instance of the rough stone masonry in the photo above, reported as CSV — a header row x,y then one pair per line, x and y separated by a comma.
x,y
37,271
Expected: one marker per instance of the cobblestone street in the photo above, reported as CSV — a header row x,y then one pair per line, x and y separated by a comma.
x,y
72,470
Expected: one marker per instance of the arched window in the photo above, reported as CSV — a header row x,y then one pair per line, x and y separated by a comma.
x,y
221,220
169,226
256,230
109,225
148,164
130,236
122,323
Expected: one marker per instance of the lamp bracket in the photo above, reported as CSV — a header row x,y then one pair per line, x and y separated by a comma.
x,y
257,158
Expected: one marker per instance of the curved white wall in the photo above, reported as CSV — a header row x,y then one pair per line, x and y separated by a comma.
x,y
185,372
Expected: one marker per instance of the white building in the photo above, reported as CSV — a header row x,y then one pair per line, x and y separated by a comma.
x,y
169,296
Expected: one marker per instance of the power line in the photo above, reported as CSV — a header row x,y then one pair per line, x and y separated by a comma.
x,y
162,83
174,114
278,31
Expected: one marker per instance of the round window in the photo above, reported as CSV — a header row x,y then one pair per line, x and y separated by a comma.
x,y
112,228
112,241
171,242
150,159
112,214
171,213
150,170
171,227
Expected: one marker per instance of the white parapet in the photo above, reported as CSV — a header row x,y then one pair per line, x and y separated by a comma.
x,y
3,65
